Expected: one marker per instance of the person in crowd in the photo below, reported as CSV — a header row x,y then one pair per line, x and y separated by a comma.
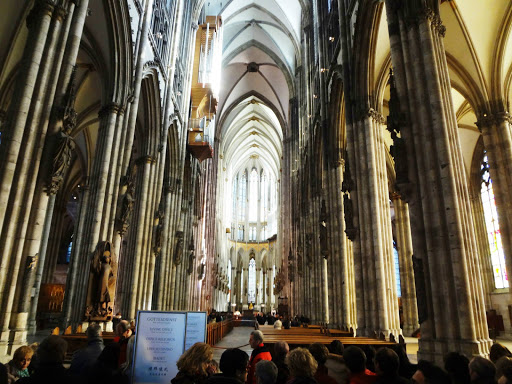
x,y
504,370
281,350
270,319
260,352
193,364
213,368
387,364
212,317
233,365
429,373
84,358
302,366
33,363
295,321
320,353
406,368
126,368
504,363
278,324
481,371
356,362
123,332
369,351
18,366
116,319
51,354
336,367
497,351
457,366
106,369
287,324
266,372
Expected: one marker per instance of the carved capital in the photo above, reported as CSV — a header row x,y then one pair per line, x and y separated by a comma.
x,y
194,26
59,13
41,9
110,108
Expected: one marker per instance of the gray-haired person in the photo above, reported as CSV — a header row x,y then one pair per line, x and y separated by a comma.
x,y
266,372
84,358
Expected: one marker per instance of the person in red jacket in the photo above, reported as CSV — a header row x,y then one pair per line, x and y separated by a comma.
x,y
260,352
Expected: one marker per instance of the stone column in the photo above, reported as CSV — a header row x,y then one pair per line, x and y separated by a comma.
x,y
497,135
404,245
434,184
377,299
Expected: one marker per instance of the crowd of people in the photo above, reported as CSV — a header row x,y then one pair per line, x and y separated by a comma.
x,y
279,321
98,364
335,364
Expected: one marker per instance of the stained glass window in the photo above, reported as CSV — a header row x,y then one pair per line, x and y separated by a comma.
x,y
242,196
493,227
264,196
253,198
397,270
252,281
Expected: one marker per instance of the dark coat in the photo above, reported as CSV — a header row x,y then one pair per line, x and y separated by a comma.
x,y
185,378
84,359
53,373
219,378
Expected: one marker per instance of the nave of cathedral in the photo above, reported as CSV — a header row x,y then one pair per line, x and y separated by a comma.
x,y
344,160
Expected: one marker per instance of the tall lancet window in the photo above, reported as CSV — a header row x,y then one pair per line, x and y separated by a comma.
x,y
242,197
252,281
235,186
264,196
493,227
253,198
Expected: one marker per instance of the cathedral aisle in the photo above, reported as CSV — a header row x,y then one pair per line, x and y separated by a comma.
x,y
237,338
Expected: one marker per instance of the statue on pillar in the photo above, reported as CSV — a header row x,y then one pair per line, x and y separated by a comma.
x,y
63,143
159,230
123,221
178,250
101,284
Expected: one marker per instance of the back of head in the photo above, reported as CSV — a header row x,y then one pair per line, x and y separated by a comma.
x,y
266,372
336,347
387,362
122,327
93,331
481,369
497,351
369,351
257,335
233,362
281,349
301,363
504,368
456,365
432,373
195,358
355,359
52,350
319,352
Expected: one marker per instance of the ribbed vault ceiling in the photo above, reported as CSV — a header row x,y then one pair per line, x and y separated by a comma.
x,y
260,54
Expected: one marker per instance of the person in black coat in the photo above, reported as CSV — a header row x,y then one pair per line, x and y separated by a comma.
x,y
233,364
85,358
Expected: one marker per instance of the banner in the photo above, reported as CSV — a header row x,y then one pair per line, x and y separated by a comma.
x,y
159,343
196,328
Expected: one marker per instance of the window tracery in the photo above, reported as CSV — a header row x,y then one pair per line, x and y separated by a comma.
x,y
493,227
